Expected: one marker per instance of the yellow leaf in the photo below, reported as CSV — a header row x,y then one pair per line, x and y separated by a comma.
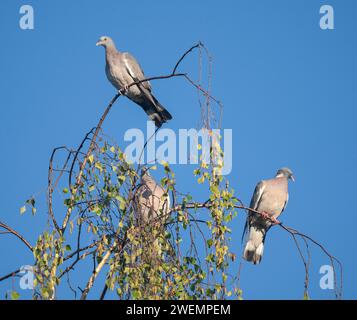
x,y
23,210
201,179
91,158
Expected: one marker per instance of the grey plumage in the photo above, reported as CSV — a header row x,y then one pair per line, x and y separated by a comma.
x,y
122,69
152,204
151,209
270,197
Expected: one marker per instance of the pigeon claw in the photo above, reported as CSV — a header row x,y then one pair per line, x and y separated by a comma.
x,y
269,217
265,215
274,221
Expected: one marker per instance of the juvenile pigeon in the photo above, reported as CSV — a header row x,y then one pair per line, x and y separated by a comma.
x,y
122,69
270,198
151,202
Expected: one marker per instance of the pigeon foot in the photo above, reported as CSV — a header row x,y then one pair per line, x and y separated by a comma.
x,y
275,221
265,215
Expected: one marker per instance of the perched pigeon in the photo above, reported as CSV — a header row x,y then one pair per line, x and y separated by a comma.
x,y
122,70
152,204
270,198
151,209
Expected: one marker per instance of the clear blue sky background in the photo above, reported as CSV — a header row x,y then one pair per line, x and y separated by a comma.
x,y
289,94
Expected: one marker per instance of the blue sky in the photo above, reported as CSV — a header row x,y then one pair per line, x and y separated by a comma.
x,y
288,90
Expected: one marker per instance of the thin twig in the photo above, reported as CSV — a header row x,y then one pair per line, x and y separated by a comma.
x,y
290,230
85,160
12,274
15,233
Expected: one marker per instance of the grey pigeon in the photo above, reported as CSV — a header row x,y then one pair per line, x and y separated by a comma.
x,y
151,202
122,69
151,209
270,198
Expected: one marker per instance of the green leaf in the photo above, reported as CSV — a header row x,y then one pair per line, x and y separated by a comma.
x,y
122,202
224,277
136,294
67,202
122,206
31,201
71,226
68,247
210,258
15,295
97,210
99,166
45,294
214,189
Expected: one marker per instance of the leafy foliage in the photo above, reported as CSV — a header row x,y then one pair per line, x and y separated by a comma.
x,y
158,260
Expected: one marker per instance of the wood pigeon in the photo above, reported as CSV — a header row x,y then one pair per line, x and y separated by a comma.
x,y
151,209
122,69
270,198
151,202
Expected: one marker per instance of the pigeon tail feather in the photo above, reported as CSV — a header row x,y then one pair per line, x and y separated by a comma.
x,y
163,112
253,254
150,109
253,251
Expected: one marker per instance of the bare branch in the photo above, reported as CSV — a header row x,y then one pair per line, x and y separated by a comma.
x,y
15,233
85,160
12,274
51,186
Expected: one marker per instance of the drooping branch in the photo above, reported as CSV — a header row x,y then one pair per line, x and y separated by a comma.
x,y
52,186
15,233
292,232
11,274
338,291
199,44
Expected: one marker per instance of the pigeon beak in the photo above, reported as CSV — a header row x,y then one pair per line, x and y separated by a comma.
x,y
292,178
99,43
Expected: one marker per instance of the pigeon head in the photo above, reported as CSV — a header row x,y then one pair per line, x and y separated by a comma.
x,y
105,41
285,172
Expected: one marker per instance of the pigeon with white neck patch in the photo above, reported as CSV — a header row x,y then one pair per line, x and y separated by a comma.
x,y
270,198
122,70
